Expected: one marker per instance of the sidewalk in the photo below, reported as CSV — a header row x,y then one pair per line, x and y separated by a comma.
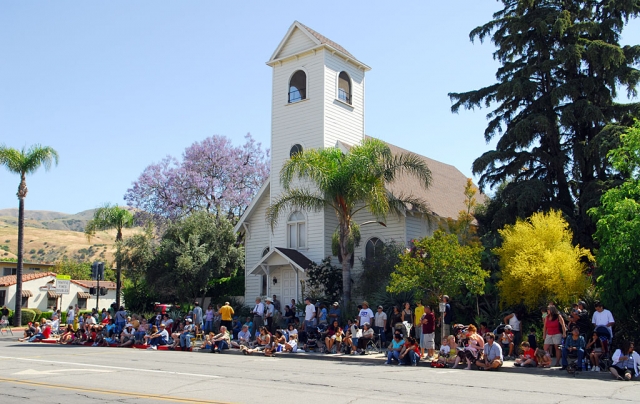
x,y
380,359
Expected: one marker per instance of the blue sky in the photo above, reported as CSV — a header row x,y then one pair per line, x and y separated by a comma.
x,y
114,86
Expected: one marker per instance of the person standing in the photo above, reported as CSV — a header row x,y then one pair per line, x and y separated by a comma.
x,y
268,315
226,315
208,320
366,314
417,316
70,315
602,318
448,316
380,325
276,303
428,332
258,314
197,315
334,313
309,315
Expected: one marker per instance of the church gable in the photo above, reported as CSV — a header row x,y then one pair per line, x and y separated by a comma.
x,y
294,42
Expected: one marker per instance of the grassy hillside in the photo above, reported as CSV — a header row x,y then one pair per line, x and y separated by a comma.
x,y
47,245
43,219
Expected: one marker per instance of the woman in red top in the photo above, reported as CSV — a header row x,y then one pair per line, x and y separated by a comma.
x,y
410,354
553,332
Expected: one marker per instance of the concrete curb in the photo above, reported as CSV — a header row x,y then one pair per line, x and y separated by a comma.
x,y
379,359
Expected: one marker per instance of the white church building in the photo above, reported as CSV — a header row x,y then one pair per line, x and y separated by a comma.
x,y
318,101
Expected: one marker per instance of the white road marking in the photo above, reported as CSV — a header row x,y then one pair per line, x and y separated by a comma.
x,y
111,367
54,371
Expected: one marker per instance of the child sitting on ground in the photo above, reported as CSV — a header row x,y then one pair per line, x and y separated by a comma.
x,y
506,341
528,357
543,358
208,341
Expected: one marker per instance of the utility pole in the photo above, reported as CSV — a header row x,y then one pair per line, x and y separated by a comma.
x,y
97,273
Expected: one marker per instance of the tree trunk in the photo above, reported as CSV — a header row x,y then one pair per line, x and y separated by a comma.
x,y
17,314
118,275
346,265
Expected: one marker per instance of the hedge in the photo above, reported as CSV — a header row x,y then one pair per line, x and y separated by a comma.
x,y
28,316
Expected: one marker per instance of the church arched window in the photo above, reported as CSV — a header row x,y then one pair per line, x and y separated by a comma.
x,y
344,87
373,248
297,230
298,87
295,149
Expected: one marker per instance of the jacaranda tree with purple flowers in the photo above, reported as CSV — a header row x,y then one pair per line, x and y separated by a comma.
x,y
213,176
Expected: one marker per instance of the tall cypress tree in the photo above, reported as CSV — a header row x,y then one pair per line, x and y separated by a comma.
x,y
555,111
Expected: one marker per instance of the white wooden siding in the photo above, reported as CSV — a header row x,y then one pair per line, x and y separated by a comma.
x,y
258,238
342,122
301,123
298,42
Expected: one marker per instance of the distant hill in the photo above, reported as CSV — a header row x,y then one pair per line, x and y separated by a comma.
x,y
42,219
53,236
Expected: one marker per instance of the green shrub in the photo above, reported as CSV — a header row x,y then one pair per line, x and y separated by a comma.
x,y
38,314
28,316
46,315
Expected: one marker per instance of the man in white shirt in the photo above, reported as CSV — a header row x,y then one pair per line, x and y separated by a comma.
x,y
258,314
70,315
366,314
602,318
268,315
380,324
309,315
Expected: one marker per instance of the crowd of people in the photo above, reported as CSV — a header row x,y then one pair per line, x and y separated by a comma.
x,y
273,329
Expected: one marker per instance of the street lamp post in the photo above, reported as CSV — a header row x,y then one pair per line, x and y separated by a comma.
x,y
442,306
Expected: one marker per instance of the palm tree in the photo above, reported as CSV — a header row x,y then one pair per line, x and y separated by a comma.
x,y
23,162
349,183
110,217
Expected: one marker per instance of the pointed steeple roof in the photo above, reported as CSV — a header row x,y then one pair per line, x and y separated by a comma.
x,y
300,39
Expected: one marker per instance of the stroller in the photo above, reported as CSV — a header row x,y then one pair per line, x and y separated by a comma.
x,y
312,343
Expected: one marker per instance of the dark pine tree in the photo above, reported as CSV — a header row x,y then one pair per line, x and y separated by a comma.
x,y
555,111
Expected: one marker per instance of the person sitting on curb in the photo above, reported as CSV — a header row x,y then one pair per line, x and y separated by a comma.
x,y
67,336
127,337
263,342
626,362
528,357
31,330
393,352
411,354
574,344
186,335
244,336
506,341
492,354
158,337
292,344
44,334
278,344
449,352
221,340
543,358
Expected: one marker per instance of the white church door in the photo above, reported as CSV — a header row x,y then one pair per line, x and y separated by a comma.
x,y
288,287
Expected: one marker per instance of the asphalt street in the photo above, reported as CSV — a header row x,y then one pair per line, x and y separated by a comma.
x,y
43,373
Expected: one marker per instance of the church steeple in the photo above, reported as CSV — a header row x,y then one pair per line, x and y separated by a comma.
x,y
317,101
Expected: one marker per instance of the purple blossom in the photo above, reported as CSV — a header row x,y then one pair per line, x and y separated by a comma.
x,y
214,176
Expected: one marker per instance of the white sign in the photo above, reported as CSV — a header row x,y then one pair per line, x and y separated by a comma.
x,y
63,287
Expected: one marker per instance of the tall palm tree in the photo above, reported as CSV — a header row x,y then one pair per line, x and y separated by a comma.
x,y
110,217
23,162
348,183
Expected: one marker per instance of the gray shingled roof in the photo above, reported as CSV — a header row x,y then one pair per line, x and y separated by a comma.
x,y
326,41
445,197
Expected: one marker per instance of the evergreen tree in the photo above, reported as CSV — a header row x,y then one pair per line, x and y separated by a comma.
x,y
556,114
